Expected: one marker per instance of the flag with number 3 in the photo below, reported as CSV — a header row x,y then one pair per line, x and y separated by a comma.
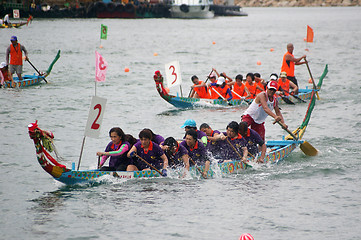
x,y
100,67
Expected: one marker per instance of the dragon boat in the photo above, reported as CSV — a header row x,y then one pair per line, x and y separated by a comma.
x,y
17,25
187,102
35,79
48,158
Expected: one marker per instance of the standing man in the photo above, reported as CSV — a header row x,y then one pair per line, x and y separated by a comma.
x,y
16,57
262,106
289,62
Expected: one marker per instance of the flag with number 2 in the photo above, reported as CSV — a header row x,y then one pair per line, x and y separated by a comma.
x,y
100,67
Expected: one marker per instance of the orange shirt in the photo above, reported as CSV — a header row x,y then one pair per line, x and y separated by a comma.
x,y
260,85
16,55
201,91
288,66
284,85
252,89
240,90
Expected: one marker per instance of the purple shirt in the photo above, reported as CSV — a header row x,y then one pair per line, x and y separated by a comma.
x,y
158,139
115,161
212,146
175,160
198,153
152,156
251,141
226,151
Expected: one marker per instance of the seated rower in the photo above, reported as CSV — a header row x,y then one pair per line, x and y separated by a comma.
x,y
285,85
199,89
117,150
253,141
146,150
221,89
212,93
240,91
252,86
5,75
177,154
191,124
196,151
260,82
212,136
230,144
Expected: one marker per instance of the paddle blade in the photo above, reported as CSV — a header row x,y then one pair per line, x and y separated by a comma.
x,y
286,100
308,149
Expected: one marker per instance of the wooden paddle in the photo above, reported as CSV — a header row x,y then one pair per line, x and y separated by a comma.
x,y
243,98
37,71
313,81
199,170
154,168
294,96
306,147
230,104
204,82
286,100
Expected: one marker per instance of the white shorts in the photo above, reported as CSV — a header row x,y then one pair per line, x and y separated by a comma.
x,y
16,68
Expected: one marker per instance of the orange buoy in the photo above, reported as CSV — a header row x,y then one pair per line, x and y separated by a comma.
x,y
258,62
166,90
126,69
271,49
307,50
304,39
310,80
213,43
155,54
101,46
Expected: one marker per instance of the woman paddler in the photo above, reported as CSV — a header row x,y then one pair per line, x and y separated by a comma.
x,y
117,150
145,153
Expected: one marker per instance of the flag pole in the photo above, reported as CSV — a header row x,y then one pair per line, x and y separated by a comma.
x,y
81,152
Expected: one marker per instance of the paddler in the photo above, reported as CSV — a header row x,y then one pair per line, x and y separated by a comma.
x,y
199,89
221,89
253,141
289,62
15,61
212,136
239,88
285,85
191,124
145,153
263,105
5,75
177,154
252,85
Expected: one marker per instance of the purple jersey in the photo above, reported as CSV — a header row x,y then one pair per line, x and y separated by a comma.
x,y
158,139
115,161
152,156
251,141
198,154
212,146
226,151
175,159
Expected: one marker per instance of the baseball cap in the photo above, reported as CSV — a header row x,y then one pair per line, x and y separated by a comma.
x,y
273,77
283,74
221,80
189,123
2,65
13,38
272,84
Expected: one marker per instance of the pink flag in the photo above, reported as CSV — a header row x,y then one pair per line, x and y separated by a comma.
x,y
100,67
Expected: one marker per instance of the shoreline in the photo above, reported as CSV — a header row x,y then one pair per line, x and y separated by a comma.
x,y
297,3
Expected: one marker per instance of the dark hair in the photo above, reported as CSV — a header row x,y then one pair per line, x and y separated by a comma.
x,y
189,127
145,133
204,125
239,76
192,133
233,125
118,131
194,77
151,132
257,75
130,139
251,75
242,128
275,74
170,142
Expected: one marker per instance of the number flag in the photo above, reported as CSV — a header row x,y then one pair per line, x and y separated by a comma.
x,y
173,74
95,117
103,32
100,67
16,13
309,34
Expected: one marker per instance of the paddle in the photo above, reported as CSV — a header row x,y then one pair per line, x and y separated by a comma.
x,y
199,170
286,100
313,81
230,104
37,70
148,164
293,95
204,82
234,149
306,147
243,98
98,162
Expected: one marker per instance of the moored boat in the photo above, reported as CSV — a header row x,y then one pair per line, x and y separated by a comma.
x,y
187,102
191,9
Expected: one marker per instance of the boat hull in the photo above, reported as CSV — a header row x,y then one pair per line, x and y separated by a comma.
x,y
27,81
194,11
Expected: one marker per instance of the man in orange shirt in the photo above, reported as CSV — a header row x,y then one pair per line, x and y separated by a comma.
x,y
285,85
199,89
16,57
289,62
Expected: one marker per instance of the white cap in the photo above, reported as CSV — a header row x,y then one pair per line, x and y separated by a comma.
x,y
2,65
221,80
273,77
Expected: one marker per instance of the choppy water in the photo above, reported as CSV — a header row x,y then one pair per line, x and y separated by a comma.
x,y
303,197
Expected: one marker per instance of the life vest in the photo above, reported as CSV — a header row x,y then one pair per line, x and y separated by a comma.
x,y
212,93
284,85
240,90
252,89
201,91
222,91
288,66
16,55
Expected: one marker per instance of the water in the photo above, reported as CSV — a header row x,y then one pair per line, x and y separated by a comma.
x,y
303,197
